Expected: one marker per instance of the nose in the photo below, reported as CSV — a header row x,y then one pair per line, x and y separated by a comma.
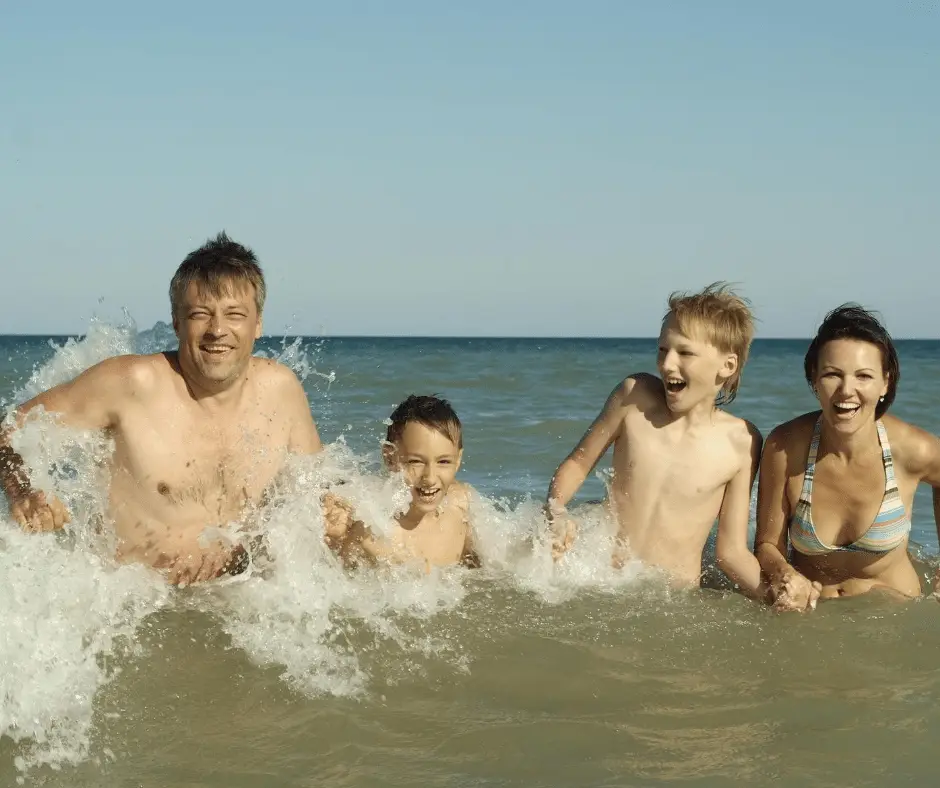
x,y
215,327
667,360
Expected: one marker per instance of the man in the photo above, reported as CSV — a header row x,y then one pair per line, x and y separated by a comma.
x,y
198,433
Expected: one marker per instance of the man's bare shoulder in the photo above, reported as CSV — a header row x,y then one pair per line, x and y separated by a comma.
x,y
134,375
273,375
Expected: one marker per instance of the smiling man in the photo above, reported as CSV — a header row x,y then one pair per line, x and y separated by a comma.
x,y
198,433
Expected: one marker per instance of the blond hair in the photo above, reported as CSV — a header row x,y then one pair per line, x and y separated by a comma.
x,y
722,318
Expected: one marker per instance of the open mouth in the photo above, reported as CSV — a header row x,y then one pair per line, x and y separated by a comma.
x,y
846,409
426,494
215,350
675,385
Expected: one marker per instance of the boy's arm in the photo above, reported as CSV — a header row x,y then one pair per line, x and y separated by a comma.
x,y
90,401
469,557
572,472
789,590
735,559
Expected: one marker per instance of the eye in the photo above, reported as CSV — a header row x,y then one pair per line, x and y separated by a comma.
x,y
865,376
686,353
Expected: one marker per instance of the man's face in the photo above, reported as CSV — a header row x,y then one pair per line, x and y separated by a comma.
x,y
217,333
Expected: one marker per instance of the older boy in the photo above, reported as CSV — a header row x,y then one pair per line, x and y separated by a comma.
x,y
424,441
679,462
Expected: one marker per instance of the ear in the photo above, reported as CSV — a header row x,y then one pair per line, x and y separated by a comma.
x,y
258,328
886,386
459,459
728,367
176,326
390,455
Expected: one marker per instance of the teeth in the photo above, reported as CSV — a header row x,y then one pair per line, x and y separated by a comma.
x,y
846,406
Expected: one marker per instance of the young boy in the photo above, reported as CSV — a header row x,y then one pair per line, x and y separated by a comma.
x,y
425,442
679,462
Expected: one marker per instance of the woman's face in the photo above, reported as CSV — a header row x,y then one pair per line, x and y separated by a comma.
x,y
850,381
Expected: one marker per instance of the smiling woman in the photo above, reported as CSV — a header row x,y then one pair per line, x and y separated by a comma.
x,y
837,485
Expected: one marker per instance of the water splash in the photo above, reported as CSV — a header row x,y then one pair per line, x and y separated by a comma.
x,y
327,630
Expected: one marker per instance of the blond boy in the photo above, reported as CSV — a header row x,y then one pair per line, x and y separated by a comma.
x,y
679,461
424,441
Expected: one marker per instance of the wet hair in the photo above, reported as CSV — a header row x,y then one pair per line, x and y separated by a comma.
x,y
723,319
851,321
431,411
216,266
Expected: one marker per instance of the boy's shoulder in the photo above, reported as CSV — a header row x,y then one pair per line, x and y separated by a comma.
x,y
641,388
459,495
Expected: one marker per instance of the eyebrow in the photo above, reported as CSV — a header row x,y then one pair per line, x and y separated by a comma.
x,y
834,368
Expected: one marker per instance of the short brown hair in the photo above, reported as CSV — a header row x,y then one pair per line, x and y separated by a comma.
x,y
723,319
215,266
433,412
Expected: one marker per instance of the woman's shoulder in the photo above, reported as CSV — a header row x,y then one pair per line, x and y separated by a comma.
x,y
911,446
797,431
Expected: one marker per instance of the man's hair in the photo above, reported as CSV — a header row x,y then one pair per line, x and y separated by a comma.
x,y
851,321
433,412
216,266
722,318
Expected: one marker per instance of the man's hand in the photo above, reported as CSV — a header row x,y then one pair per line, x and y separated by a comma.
x,y
795,592
199,565
34,512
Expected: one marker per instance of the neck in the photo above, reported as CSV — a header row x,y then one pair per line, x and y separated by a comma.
x,y
212,393
848,445
410,518
700,415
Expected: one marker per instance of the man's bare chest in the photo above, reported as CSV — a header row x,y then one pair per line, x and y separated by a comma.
x,y
185,460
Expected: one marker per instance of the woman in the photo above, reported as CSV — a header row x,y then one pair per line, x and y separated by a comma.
x,y
837,485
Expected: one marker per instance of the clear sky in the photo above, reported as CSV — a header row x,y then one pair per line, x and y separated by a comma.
x,y
509,167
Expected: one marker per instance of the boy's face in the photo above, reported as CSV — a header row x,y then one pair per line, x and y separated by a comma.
x,y
429,460
693,370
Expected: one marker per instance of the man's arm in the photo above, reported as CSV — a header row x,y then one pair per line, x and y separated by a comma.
x,y
87,402
735,559
304,438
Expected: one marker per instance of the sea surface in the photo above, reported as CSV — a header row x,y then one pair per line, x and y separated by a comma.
x,y
518,674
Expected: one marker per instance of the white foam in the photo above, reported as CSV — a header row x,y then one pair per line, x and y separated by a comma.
x,y
325,628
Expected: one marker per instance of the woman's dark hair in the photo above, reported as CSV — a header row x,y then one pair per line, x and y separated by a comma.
x,y
850,321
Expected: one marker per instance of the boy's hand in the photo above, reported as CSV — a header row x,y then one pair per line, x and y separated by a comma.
x,y
337,516
35,513
795,592
563,528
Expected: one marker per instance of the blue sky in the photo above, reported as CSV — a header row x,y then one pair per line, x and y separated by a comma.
x,y
518,168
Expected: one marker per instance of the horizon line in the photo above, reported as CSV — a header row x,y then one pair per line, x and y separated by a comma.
x,y
526,337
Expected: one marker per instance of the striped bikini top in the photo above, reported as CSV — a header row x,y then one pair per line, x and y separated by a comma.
x,y
888,531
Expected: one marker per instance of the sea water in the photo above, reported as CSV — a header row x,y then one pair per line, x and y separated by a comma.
x,y
299,673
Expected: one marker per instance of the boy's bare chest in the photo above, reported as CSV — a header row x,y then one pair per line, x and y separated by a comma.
x,y
440,538
652,458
